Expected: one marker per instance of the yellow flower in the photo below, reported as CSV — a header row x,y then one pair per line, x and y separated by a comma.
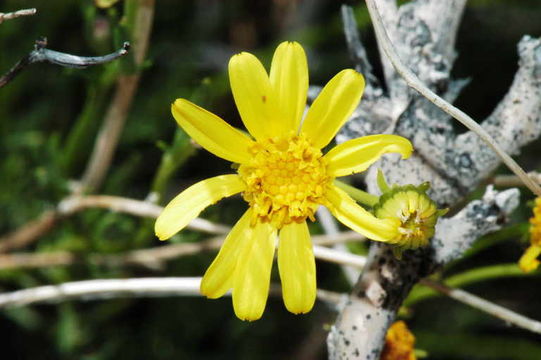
x,y
283,175
528,262
399,343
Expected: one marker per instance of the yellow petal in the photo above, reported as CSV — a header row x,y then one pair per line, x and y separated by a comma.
x,y
211,132
333,106
357,155
528,262
218,278
252,274
254,95
289,79
346,210
297,268
188,204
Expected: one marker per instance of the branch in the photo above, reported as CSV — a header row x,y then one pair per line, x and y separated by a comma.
x,y
328,223
28,232
486,306
115,288
374,105
515,122
386,281
514,181
154,258
31,231
133,207
102,289
357,51
16,14
457,234
42,54
424,33
111,288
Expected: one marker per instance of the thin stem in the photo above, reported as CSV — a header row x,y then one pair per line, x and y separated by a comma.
x,y
330,227
34,229
132,207
513,180
413,81
154,258
117,288
16,14
360,196
30,231
466,278
486,306
41,54
356,49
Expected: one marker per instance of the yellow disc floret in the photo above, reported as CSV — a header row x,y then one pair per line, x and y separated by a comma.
x,y
285,180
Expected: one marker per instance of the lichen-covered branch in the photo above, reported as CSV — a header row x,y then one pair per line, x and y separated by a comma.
x,y
360,328
515,122
455,235
424,33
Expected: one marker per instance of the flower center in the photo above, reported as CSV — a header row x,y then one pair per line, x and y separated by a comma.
x,y
286,180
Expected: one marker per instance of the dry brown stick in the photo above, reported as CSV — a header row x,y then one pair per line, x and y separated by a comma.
x,y
16,14
115,118
31,231
27,233
513,180
36,260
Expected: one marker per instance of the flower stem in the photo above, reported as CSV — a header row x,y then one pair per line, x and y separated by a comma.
x,y
360,196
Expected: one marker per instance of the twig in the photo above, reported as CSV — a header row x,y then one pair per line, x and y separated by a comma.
x,y
102,289
338,238
71,205
155,257
74,204
16,14
413,81
36,260
115,118
486,306
132,207
513,180
355,47
42,54
115,288
331,229
339,257
189,286
28,232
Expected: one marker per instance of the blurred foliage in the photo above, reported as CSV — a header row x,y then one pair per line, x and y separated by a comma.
x,y
49,118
